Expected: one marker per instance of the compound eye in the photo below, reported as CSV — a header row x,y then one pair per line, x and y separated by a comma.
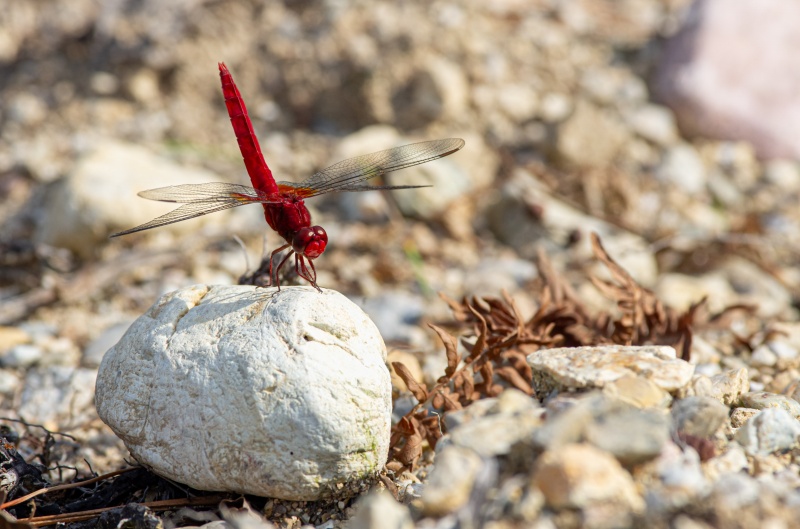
x,y
310,242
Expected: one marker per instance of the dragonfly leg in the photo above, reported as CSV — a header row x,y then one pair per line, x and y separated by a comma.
x,y
277,281
303,271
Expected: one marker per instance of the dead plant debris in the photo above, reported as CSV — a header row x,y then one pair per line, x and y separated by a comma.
x,y
498,342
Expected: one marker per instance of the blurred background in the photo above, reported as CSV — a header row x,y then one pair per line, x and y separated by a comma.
x,y
669,127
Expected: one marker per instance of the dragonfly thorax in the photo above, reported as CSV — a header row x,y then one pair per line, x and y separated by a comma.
x,y
310,242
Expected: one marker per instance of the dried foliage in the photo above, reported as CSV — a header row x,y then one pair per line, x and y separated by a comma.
x,y
498,342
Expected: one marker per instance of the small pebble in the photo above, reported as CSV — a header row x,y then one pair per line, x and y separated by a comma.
x,y
580,475
771,430
761,400
632,436
739,416
23,355
450,482
699,416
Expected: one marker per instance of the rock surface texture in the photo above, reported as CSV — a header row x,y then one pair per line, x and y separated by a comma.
x,y
250,390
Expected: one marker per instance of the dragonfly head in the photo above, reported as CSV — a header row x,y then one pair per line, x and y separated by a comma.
x,y
310,242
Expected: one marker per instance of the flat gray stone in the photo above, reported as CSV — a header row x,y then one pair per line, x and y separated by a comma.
x,y
761,400
572,368
632,436
699,416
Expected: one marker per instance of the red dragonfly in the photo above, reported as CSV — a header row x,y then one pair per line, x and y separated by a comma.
x,y
283,202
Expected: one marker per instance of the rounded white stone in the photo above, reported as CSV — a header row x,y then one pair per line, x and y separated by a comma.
x,y
235,388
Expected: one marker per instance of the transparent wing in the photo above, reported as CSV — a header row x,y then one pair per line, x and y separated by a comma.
x,y
211,192
348,174
198,200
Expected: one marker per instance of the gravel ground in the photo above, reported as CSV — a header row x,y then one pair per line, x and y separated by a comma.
x,y
565,137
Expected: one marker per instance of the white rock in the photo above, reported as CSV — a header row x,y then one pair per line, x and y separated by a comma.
x,y
654,123
579,475
100,196
783,174
513,418
58,396
22,355
587,367
520,102
771,430
763,357
248,390
380,510
683,167
9,382
726,387
578,143
450,482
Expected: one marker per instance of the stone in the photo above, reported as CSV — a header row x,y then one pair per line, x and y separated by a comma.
x,y
632,436
720,42
513,418
520,102
438,89
9,382
638,391
675,479
763,356
555,107
12,336
590,137
580,475
99,197
380,510
699,416
739,416
762,400
683,167
450,482
594,367
22,355
729,386
654,123
732,461
58,396
783,174
786,354
771,430
680,291
236,388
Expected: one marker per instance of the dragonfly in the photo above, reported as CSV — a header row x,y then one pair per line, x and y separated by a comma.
x,y
284,202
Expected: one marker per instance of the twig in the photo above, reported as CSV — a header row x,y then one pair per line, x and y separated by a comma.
x,y
162,505
65,486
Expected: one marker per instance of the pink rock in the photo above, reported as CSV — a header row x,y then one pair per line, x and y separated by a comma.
x,y
733,73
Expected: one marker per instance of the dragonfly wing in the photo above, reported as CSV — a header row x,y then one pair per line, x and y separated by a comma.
x,y
347,174
185,212
210,193
198,200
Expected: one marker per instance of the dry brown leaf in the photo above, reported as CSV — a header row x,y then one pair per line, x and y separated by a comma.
x,y
450,349
416,389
